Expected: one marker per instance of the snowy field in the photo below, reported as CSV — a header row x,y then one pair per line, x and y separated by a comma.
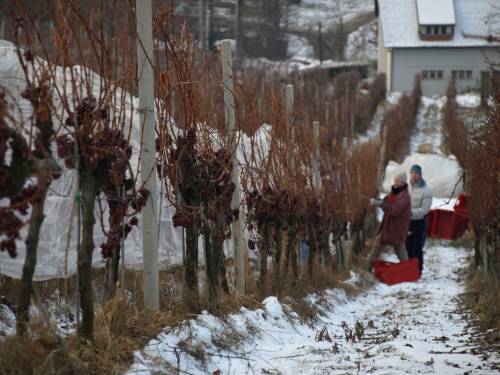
x,y
428,135
361,44
409,328
310,12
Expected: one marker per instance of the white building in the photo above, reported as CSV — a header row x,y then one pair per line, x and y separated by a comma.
x,y
439,39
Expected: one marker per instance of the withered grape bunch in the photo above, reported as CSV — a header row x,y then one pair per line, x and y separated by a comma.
x,y
201,179
16,168
268,207
104,152
185,170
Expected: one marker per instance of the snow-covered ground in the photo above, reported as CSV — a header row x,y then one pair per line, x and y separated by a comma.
x,y
374,130
427,137
441,173
308,13
408,328
469,100
362,43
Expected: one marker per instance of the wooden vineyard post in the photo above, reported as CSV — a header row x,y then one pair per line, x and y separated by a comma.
x,y
230,116
148,157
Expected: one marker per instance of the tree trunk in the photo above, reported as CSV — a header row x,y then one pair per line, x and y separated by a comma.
x,y
294,258
477,246
218,249
340,252
211,261
192,296
223,270
264,251
277,262
312,250
112,271
37,217
291,254
323,248
88,186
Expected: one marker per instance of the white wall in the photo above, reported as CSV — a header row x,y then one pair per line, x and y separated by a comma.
x,y
407,62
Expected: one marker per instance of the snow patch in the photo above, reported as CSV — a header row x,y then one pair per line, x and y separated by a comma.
x,y
440,172
361,44
408,328
427,137
468,100
7,321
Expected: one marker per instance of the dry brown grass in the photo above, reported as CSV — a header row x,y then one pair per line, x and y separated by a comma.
x,y
120,329
122,326
483,298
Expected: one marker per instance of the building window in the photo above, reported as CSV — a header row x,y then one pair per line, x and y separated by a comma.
x,y
432,74
461,75
436,30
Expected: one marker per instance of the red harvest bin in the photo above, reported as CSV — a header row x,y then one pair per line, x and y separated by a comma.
x,y
446,224
394,273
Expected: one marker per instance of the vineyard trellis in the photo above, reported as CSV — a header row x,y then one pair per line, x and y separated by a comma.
x,y
300,181
477,150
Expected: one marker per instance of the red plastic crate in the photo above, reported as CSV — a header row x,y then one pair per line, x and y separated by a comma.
x,y
461,203
442,224
449,225
393,273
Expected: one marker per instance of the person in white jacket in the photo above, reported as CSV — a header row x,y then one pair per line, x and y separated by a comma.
x,y
421,201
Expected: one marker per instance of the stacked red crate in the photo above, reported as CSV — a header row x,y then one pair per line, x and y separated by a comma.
x,y
449,225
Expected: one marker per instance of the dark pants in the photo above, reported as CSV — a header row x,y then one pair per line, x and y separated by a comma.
x,y
415,241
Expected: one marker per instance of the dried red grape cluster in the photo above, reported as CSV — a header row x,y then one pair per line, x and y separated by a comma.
x,y
201,178
219,192
41,102
104,151
17,167
186,173
312,212
280,209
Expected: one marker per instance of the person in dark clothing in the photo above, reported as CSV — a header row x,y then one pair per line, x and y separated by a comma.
x,y
421,201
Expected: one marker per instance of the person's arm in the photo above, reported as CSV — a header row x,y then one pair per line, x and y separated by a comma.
x,y
426,204
397,207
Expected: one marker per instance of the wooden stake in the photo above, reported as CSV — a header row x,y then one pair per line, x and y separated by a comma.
x,y
148,157
229,106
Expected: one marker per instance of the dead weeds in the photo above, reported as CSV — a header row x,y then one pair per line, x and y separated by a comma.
x,y
122,325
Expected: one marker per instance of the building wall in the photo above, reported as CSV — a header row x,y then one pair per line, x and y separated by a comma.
x,y
382,51
407,62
